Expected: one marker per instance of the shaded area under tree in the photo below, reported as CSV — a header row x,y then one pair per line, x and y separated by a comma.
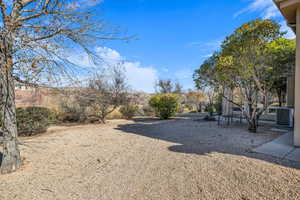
x,y
195,136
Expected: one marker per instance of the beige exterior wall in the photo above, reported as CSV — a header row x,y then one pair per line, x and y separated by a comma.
x,y
290,9
291,91
297,83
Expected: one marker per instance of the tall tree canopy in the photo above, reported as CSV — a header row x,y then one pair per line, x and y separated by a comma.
x,y
281,54
244,66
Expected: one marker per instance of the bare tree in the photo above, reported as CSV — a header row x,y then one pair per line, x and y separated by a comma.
x,y
168,86
178,88
34,34
104,95
195,100
164,86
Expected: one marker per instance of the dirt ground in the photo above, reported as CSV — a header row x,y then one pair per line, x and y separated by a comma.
x,y
145,159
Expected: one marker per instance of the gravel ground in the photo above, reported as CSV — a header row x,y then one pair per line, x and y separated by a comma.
x,y
146,159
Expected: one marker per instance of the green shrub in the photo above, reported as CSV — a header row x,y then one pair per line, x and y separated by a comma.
x,y
129,111
210,108
34,120
165,105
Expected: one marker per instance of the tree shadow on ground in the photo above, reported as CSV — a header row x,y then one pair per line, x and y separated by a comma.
x,y
192,135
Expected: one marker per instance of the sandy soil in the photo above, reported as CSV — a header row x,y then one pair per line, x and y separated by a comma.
x,y
177,159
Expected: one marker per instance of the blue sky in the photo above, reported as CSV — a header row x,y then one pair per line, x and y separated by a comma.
x,y
174,36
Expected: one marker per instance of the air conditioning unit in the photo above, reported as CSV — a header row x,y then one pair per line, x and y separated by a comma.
x,y
285,116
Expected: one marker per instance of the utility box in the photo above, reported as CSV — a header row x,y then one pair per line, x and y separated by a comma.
x,y
285,116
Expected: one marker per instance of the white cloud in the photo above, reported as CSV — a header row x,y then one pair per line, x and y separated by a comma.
x,y
267,8
140,78
79,4
79,58
110,56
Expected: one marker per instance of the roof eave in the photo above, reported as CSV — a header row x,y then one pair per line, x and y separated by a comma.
x,y
288,14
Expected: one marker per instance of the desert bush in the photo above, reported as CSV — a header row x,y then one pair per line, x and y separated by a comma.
x,y
180,108
116,114
34,120
147,111
190,107
129,111
165,105
71,113
105,93
193,111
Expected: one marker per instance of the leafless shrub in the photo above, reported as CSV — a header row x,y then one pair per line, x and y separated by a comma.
x,y
104,94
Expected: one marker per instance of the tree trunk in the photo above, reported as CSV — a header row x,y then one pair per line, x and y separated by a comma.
x,y
252,126
199,107
279,96
11,159
252,120
102,118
